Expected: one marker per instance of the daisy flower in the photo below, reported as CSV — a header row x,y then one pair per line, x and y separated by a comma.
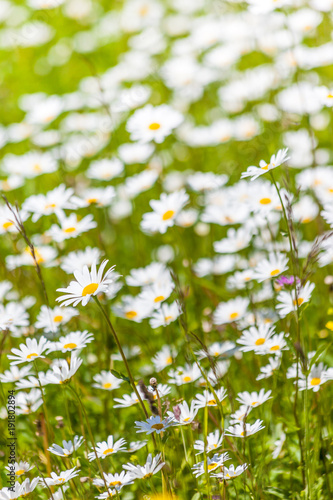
x,y
133,309
108,447
127,401
67,448
8,222
20,468
72,341
276,344
70,227
32,382
28,486
209,399
235,241
214,441
165,315
151,467
101,197
30,351
14,374
105,169
276,160
253,399
153,123
255,338
27,403
268,370
233,310
51,319
63,477
144,276
116,480
165,211
135,446
13,315
315,379
230,472
162,359
87,284
157,293
61,372
183,414
216,349
154,424
105,380
287,301
53,202
186,375
271,267
212,464
240,415
241,430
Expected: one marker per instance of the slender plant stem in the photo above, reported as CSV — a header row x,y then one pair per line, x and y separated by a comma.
x,y
130,376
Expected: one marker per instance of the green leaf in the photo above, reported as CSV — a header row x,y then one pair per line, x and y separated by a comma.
x,y
117,374
320,351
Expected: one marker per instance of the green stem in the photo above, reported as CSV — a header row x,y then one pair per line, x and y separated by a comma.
x,y
107,319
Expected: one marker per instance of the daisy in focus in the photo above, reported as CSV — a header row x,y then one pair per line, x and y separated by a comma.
x,y
87,284
276,160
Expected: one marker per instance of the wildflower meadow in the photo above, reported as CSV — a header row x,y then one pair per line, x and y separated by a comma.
x,y
166,249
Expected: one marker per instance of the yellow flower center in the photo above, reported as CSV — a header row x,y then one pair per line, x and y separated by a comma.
x,y
71,345
265,167
187,419
131,314
61,479
265,201
109,450
234,315
92,200
33,354
275,272
169,360
168,214
50,205
315,381
299,301
37,168
107,385
254,403
89,289
187,378
158,427
154,126
115,483
147,476
58,318
20,472
260,341
275,348
159,298
211,402
70,230
6,225
167,318
212,466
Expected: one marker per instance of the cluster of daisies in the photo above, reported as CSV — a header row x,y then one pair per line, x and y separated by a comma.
x,y
205,330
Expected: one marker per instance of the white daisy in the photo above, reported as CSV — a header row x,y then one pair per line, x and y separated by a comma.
x,y
87,284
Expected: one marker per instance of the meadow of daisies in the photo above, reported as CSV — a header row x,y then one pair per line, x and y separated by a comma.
x,y
166,249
